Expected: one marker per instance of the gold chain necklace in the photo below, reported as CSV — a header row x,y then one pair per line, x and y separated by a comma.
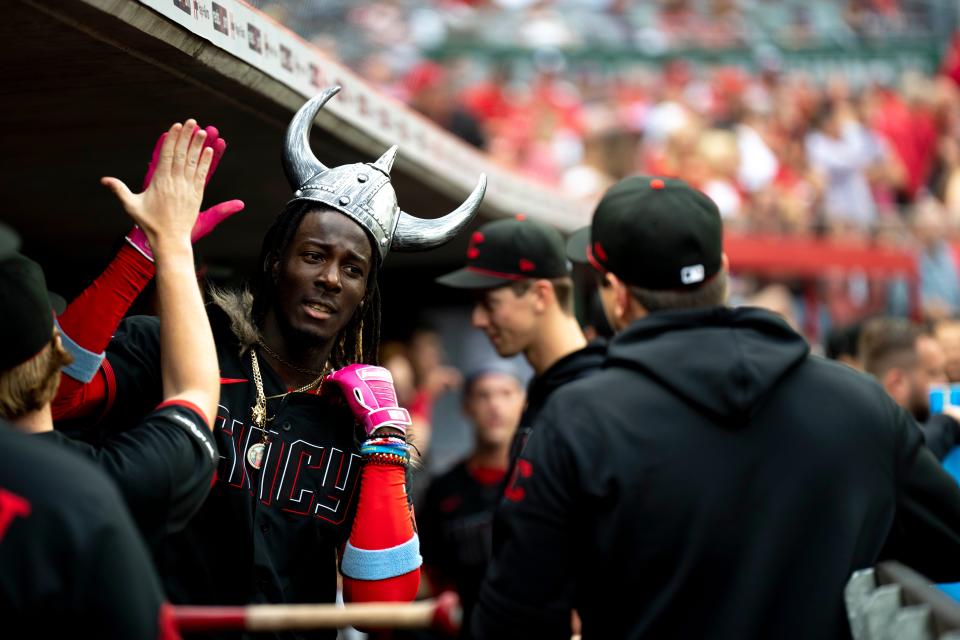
x,y
259,417
276,356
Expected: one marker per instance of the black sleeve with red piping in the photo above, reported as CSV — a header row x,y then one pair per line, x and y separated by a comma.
x,y
87,325
381,561
164,466
528,589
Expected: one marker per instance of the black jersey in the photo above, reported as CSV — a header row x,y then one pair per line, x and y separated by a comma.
x,y
267,535
72,561
163,467
455,527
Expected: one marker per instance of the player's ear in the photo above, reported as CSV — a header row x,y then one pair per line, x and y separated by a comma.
x,y
897,384
272,264
543,293
621,297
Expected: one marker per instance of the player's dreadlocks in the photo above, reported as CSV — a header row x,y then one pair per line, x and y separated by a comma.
x,y
359,341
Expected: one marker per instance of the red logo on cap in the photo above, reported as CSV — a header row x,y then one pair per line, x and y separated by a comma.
x,y
526,265
657,183
599,252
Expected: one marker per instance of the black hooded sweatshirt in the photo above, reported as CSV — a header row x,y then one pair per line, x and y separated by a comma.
x,y
573,366
715,480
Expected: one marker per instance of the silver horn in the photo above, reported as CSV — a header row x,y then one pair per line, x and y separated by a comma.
x,y
299,163
419,234
385,162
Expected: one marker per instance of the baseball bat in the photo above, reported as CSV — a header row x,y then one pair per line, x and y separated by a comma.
x,y
442,613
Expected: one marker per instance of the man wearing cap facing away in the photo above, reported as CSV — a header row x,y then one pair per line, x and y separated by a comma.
x,y
523,302
714,480
72,558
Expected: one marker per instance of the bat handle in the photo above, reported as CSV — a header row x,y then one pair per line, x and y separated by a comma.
x,y
447,614
206,619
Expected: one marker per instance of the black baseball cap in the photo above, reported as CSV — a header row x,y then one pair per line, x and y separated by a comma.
x,y
655,233
506,251
28,309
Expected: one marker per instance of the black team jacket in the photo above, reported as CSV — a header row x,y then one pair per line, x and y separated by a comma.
x,y
567,369
713,481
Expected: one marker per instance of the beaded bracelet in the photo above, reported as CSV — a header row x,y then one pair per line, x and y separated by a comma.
x,y
385,458
385,450
392,441
379,448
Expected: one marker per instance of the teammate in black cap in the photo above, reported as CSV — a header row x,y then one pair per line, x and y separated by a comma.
x,y
714,480
165,464
524,303
73,563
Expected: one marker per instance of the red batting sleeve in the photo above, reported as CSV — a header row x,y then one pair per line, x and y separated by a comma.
x,y
91,319
384,519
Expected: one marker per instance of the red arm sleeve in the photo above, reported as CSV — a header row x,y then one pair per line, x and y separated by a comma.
x,y
90,321
384,521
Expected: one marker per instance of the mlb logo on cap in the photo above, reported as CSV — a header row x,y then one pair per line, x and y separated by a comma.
x,y
655,233
692,275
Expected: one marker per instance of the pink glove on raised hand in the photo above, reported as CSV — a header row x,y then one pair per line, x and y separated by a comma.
x,y
207,220
369,392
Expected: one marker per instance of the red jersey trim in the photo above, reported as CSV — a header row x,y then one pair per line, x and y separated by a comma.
x,y
111,381
179,402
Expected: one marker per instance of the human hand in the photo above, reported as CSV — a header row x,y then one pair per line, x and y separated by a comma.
x,y
369,392
169,207
212,140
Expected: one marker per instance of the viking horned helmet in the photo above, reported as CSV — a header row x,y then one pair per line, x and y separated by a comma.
x,y
363,191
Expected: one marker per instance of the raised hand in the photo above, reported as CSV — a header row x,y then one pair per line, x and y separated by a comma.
x,y
208,219
213,140
169,207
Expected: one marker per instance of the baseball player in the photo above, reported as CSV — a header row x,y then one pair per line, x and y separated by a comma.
x,y
312,443
73,562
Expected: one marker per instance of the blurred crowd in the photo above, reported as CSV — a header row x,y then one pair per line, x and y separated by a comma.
x,y
406,27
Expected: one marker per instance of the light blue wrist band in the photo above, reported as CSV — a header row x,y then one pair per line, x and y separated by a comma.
x,y
85,363
380,564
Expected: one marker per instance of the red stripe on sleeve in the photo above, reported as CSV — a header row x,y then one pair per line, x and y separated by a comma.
x,y
110,380
179,402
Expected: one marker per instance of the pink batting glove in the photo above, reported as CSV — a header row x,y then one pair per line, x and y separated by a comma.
x,y
207,220
369,392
